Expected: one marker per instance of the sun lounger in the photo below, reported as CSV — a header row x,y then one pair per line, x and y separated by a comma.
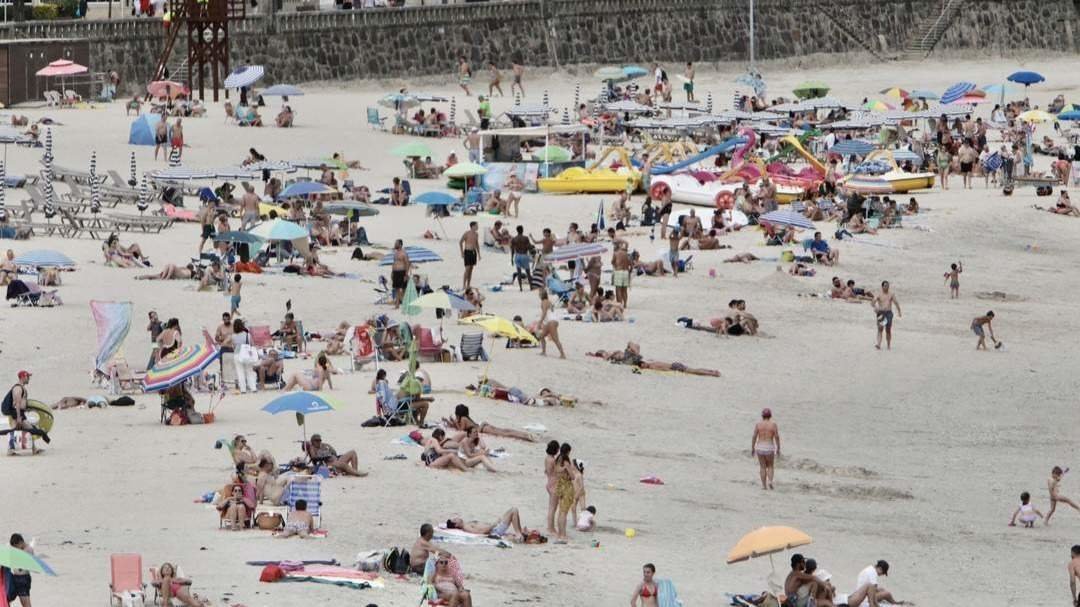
x,y
148,224
472,347
125,580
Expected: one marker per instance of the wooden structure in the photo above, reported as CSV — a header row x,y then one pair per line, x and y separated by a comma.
x,y
21,59
207,26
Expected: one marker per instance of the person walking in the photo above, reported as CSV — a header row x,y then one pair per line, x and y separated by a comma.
x,y
766,446
883,303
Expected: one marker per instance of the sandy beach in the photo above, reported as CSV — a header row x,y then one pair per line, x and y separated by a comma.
x,y
916,455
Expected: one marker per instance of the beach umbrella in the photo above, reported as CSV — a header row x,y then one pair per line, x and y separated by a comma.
x,y
318,163
924,94
144,196
95,185
627,106
13,558
896,92
238,237
999,90
1036,116
970,99
47,155
436,199
133,174
766,541
956,91
408,299
245,75
304,188
412,148
877,105
453,110
575,251
530,109
1026,78
44,258
1069,115
565,117
3,185
50,195
787,218
708,102
444,300
301,404
497,326
848,147
600,223
61,67
415,255
397,101
906,155
545,100
167,88
174,158
181,364
352,209
552,153
610,72
577,95
811,89
282,90
464,169
279,229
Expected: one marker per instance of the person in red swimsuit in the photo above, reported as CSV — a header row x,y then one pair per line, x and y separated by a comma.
x,y
645,593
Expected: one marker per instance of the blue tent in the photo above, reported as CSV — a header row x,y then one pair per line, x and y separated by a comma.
x,y
142,130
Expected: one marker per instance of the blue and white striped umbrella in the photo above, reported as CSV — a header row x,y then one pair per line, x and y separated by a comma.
x,y
275,166
415,254
95,185
956,91
174,158
628,106
577,95
849,147
3,184
530,109
246,75
708,102
453,110
44,258
144,196
575,251
49,193
47,155
906,155
181,174
787,218
133,178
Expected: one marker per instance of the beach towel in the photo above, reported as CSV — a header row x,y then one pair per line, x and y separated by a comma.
x,y
666,595
335,575
308,562
457,536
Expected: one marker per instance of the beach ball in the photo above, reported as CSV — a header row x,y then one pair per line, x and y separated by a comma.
x,y
630,533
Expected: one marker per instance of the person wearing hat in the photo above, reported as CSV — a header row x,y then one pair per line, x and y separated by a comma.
x,y
14,407
323,453
766,446
868,592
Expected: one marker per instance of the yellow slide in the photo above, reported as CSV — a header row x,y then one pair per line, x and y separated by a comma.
x,y
806,155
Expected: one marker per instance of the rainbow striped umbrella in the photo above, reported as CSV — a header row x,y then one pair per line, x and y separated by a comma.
x,y
178,366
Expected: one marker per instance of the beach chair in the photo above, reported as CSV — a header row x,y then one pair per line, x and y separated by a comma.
x,y
309,489
261,336
125,580
559,288
71,97
472,347
427,344
390,409
374,120
363,348
122,379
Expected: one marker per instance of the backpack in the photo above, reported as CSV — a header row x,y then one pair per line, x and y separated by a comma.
x,y
8,406
397,561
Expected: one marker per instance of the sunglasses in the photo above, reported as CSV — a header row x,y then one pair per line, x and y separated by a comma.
x,y
442,562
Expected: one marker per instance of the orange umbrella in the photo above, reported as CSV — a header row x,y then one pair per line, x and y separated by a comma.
x,y
162,88
767,541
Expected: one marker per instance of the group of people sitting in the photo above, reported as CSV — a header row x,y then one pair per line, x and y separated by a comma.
x,y
601,306
737,321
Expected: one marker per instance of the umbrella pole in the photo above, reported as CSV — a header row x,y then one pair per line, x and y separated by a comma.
x,y
438,219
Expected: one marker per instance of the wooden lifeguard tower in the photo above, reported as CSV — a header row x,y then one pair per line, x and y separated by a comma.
x,y
207,25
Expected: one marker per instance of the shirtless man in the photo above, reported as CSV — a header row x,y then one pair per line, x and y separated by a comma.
x,y
980,325
469,245
837,290
464,75
705,242
500,528
224,332
423,548
968,156
249,206
497,204
620,274
546,242
673,251
519,253
399,272
883,307
691,225
496,80
766,446
796,580
1074,572
206,220
1055,497
519,71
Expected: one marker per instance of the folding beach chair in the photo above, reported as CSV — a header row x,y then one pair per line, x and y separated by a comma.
x,y
559,288
309,489
126,586
261,336
363,348
394,412
472,347
374,120
427,345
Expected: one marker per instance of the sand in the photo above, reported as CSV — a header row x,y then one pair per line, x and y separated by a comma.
x,y
916,456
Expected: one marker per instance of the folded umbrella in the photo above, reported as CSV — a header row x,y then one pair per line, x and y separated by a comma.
x,y
43,258
787,218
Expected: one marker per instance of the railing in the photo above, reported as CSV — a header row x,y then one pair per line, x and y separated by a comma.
x,y
933,34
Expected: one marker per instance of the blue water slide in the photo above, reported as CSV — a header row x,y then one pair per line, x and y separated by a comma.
x,y
723,148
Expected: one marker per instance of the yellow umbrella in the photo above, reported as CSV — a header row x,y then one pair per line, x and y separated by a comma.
x,y
1035,116
767,541
264,209
500,327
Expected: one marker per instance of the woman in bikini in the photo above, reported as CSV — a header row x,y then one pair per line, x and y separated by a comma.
x,y
170,340
632,356
173,587
545,328
446,585
440,452
171,271
645,593
564,490
462,423
319,376
552,478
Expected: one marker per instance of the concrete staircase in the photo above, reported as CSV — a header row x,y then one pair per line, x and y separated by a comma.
x,y
931,30
869,47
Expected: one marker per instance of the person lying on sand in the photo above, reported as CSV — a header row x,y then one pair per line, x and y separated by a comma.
x,y
742,258
649,268
501,528
632,356
461,422
737,321
546,397
172,272
801,269
439,452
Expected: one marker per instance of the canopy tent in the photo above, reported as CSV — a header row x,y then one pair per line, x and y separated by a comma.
x,y
143,129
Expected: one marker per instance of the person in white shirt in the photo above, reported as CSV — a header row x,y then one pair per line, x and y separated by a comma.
x,y
587,519
868,592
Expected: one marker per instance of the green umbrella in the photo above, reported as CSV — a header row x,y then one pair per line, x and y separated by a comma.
x,y
13,558
464,169
811,89
408,301
552,153
412,148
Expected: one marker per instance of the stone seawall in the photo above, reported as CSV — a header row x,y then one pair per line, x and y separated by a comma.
x,y
427,40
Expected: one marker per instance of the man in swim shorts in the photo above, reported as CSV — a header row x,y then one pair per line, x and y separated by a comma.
x,y
399,272
469,244
620,275
968,156
500,528
883,304
766,446
980,325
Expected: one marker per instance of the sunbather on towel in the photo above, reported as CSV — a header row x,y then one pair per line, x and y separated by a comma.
x,y
500,528
741,258
462,422
632,356
650,268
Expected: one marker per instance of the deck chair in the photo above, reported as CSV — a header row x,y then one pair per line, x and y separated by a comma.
x,y
391,409
472,347
362,347
261,337
309,489
374,120
122,379
125,580
427,345
559,288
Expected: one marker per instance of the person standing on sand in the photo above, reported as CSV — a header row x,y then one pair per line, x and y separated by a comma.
x,y
766,446
968,156
688,86
496,80
952,278
883,304
249,205
980,325
519,72
176,142
470,253
673,251
620,274
1074,572
161,137
399,272
206,220
1052,486
519,252
464,75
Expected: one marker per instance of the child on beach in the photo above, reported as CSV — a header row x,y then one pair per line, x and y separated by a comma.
x,y
299,523
1026,512
952,278
587,519
1055,497
981,324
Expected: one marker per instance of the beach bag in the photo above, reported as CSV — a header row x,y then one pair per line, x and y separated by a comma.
x,y
271,573
1044,190
8,406
247,354
397,561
